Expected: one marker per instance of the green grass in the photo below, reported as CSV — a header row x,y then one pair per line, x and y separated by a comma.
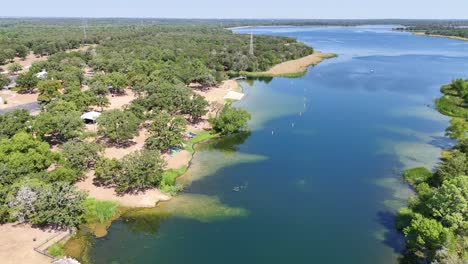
x,y
417,175
100,211
204,135
56,250
264,75
168,181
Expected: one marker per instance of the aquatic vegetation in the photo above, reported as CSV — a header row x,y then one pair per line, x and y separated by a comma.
x,y
410,154
197,207
208,163
423,112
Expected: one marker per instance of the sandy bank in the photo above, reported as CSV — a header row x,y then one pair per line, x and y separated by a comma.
x,y
297,66
17,244
439,36
147,198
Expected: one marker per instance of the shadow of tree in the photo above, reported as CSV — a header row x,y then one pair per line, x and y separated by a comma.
x,y
441,142
392,238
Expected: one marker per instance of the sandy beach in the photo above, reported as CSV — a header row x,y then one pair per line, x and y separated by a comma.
x,y
297,66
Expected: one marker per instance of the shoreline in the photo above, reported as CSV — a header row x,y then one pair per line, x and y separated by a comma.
x,y
293,68
422,33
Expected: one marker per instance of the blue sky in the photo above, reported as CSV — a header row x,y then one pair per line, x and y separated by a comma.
x,y
311,9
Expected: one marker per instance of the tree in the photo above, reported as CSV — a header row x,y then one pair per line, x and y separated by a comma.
x,y
117,81
27,82
450,203
197,107
102,102
59,125
458,129
4,81
454,165
118,125
425,236
60,204
230,120
14,68
23,156
22,51
166,131
14,121
48,90
80,155
107,172
140,170
22,204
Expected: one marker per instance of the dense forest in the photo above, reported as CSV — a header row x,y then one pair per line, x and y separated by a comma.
x,y
436,220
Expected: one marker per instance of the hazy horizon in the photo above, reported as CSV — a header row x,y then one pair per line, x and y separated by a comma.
x,y
241,9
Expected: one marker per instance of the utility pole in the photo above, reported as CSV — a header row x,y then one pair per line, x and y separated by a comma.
x,y
251,50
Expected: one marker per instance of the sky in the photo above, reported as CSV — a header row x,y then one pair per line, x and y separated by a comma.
x,y
300,9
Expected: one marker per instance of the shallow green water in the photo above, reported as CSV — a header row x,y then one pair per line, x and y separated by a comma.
x,y
317,180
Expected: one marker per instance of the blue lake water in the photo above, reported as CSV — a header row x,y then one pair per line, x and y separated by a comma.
x,y
318,178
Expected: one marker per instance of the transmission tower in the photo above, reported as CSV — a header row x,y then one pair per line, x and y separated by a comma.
x,y
251,50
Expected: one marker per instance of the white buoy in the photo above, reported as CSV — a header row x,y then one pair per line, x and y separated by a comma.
x,y
292,125
272,132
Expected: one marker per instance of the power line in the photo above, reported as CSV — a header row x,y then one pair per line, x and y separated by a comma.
x,y
251,50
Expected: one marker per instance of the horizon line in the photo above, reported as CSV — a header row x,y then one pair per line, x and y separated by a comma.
x,y
213,18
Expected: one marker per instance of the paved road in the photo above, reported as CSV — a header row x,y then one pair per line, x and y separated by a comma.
x,y
32,107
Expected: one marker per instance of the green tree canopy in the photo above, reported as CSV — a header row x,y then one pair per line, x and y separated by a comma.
x,y
14,121
230,120
166,131
14,68
118,125
22,156
27,82
48,90
450,203
80,155
59,125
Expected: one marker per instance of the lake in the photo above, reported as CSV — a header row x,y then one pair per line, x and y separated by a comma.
x,y
318,178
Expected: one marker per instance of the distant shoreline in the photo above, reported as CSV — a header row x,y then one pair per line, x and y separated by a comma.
x,y
421,33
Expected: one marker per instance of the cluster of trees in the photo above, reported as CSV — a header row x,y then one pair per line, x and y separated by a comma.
x,y
156,62
436,220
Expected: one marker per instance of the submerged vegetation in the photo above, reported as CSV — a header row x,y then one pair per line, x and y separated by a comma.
x,y
435,222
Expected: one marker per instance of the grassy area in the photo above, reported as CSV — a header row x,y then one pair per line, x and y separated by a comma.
x,y
56,250
264,74
417,175
100,211
168,181
204,135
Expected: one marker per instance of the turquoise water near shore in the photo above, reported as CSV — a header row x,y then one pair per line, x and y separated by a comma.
x,y
318,178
